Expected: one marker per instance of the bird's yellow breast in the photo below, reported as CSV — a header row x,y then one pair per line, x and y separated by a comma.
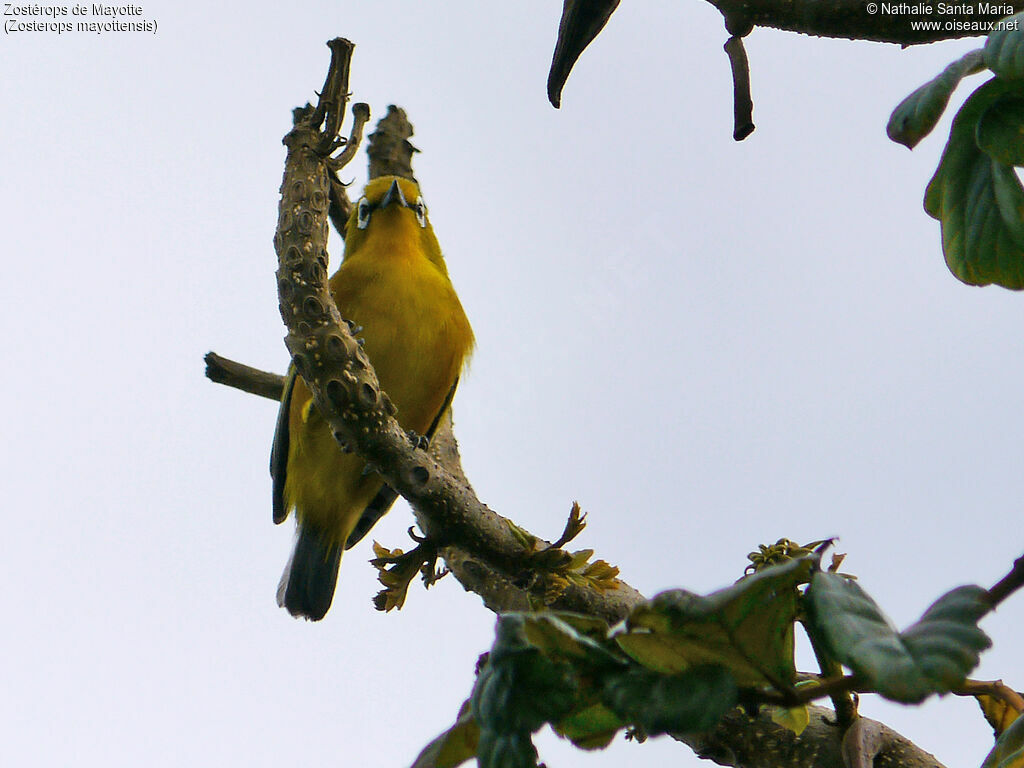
x,y
417,337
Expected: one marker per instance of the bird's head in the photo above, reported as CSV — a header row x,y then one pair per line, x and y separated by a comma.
x,y
391,208
389,199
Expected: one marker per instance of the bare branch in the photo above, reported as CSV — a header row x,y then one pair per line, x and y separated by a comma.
x,y
994,688
743,105
246,378
1009,584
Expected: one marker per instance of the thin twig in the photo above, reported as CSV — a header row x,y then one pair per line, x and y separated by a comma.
x,y
1009,584
742,104
994,688
244,377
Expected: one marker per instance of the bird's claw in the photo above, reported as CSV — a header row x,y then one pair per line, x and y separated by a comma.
x,y
418,441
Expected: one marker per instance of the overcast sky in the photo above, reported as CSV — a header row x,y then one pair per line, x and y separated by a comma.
x,y
708,344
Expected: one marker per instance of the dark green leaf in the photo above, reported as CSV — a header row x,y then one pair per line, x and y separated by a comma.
x,y
691,702
519,689
1004,49
453,747
932,656
946,641
979,202
506,750
1000,132
916,115
746,628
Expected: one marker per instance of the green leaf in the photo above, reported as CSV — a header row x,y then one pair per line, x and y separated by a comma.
x,y
916,115
517,690
1004,49
1000,132
520,689
1008,751
932,656
453,747
794,718
979,202
746,628
561,637
688,703
591,727
506,750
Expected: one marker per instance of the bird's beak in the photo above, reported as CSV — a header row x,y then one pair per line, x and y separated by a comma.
x,y
394,194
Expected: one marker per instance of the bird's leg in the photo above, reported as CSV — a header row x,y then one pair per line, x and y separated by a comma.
x,y
418,441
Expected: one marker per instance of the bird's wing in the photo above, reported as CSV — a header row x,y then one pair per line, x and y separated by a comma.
x,y
279,451
381,503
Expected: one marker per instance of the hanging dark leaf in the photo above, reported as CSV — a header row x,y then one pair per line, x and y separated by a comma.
x,y
581,22
916,115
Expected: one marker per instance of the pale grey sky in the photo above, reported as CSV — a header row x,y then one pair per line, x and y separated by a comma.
x,y
708,344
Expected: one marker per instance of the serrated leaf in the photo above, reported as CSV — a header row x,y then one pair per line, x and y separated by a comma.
x,y
693,701
1004,49
979,202
1000,132
1008,751
916,115
453,747
932,656
591,727
746,628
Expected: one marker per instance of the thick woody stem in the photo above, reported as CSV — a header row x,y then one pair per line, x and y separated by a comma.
x,y
905,23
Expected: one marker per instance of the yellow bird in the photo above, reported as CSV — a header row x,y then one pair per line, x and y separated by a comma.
x,y
393,282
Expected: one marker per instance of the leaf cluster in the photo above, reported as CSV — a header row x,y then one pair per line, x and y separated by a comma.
x,y
975,192
682,661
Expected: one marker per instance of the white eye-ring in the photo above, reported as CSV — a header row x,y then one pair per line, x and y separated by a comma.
x,y
363,213
421,211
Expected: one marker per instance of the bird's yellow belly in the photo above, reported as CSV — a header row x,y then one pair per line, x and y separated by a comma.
x,y
416,341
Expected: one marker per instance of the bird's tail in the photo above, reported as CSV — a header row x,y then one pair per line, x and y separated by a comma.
x,y
307,584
